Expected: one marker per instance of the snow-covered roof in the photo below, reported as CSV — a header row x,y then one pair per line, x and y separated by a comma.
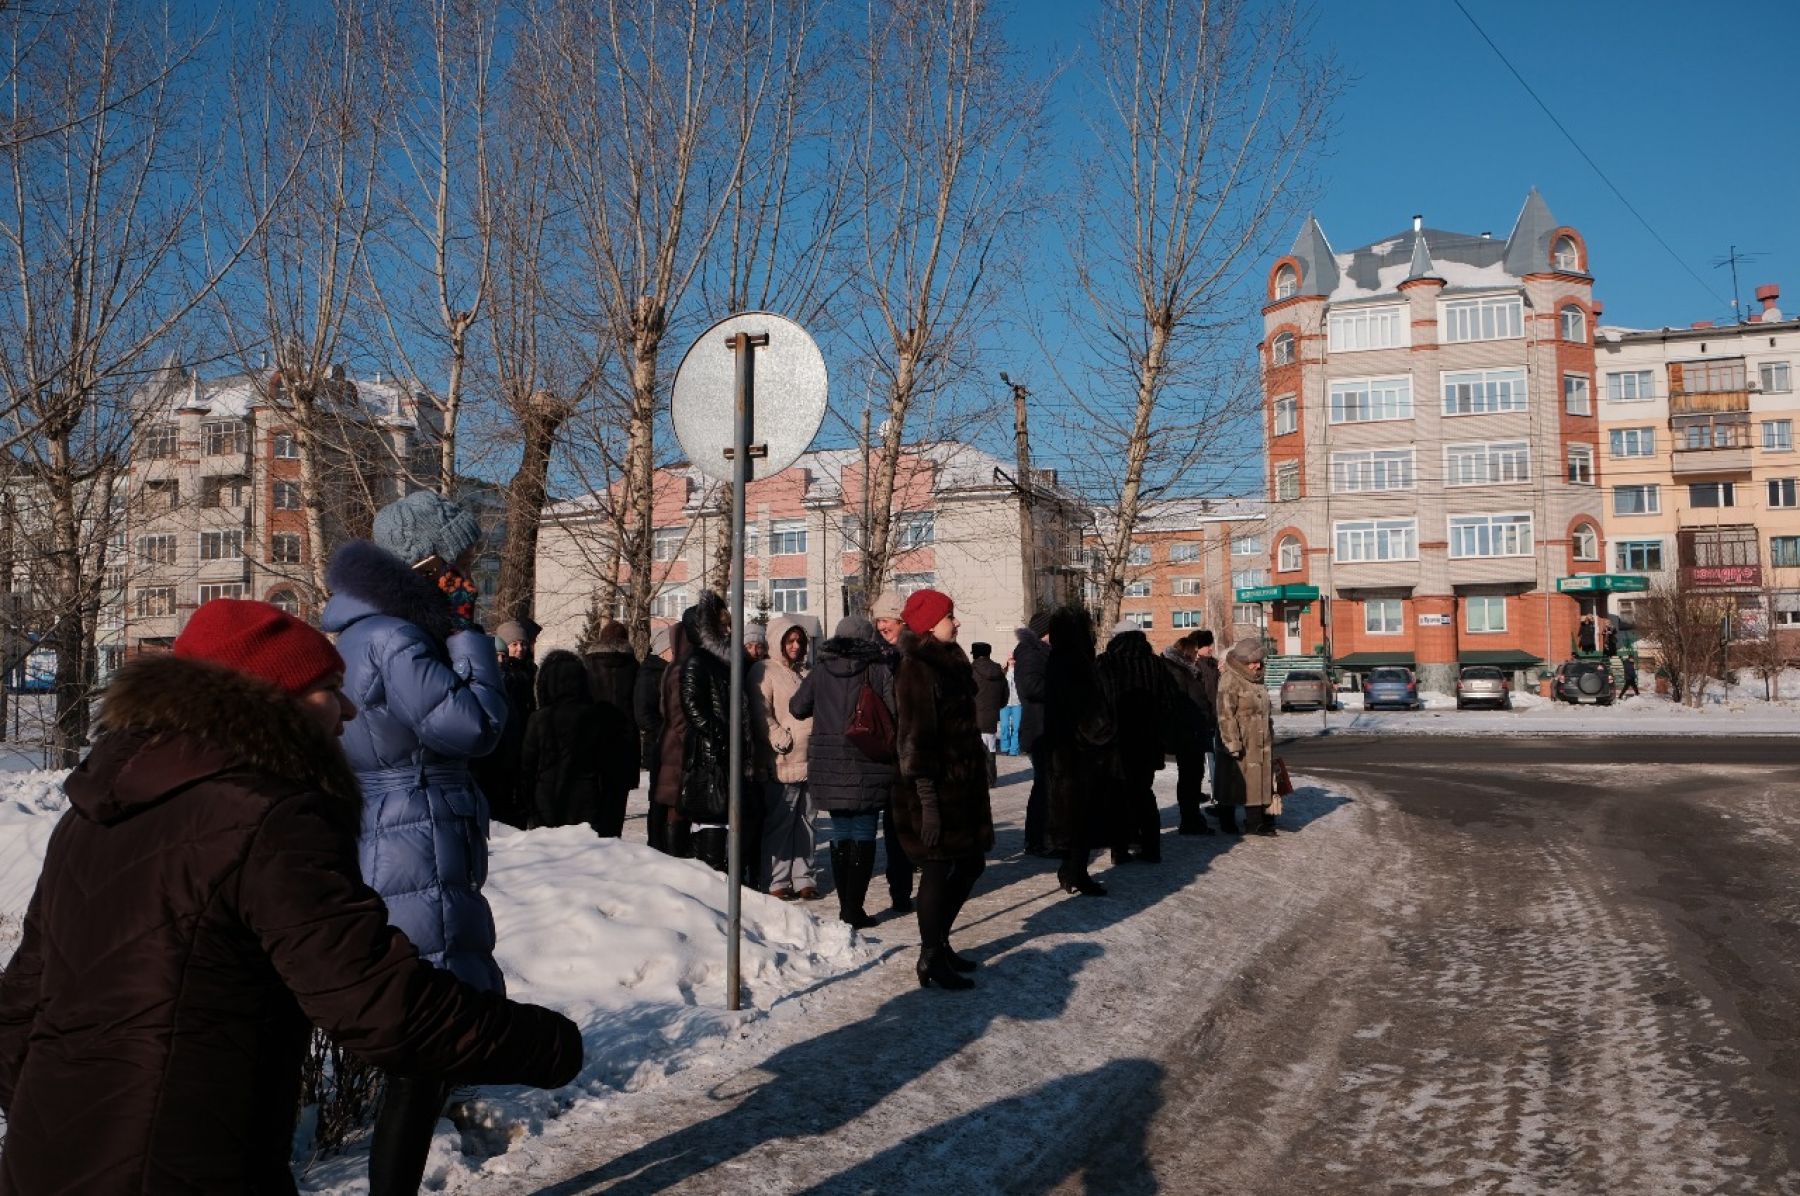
x,y
236,395
1189,514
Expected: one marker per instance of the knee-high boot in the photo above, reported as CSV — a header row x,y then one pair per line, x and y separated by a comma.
x,y
852,866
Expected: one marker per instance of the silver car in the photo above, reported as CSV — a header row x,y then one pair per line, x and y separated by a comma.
x,y
1483,685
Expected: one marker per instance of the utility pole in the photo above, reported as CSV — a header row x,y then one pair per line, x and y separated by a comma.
x,y
862,531
1027,535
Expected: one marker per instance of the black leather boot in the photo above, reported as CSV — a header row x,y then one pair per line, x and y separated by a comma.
x,y
852,864
934,968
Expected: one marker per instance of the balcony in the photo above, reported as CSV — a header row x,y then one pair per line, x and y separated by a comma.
x,y
1708,402
1731,458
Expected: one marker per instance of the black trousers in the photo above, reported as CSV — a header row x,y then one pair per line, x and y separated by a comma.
x,y
1037,806
899,864
609,813
410,1109
1190,786
1139,819
944,888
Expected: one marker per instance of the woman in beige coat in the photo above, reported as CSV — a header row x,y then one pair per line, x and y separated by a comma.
x,y
1245,767
781,739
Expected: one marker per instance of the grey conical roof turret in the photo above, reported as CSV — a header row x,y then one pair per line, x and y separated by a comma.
x,y
1318,265
1422,265
1528,247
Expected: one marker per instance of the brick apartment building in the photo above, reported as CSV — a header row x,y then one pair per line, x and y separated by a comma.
x,y
1188,558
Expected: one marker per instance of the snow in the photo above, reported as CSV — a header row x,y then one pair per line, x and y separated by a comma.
x,y
1739,710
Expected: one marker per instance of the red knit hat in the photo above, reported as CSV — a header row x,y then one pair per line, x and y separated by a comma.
x,y
925,609
260,640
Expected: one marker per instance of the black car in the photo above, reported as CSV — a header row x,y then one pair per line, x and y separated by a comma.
x,y
1580,681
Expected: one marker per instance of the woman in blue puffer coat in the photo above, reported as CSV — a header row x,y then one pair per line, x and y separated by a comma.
x,y
429,688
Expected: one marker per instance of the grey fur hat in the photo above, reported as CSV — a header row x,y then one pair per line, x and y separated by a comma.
x,y
1246,651
755,633
424,524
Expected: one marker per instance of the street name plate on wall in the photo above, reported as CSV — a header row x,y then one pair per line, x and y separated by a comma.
x,y
1434,620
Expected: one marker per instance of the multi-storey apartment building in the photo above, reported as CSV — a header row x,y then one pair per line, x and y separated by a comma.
x,y
1188,558
956,527
1434,463
1703,482
216,508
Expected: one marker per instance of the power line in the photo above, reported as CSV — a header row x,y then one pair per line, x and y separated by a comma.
x,y
1588,158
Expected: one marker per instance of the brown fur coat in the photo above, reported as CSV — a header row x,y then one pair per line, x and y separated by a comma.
x,y
939,742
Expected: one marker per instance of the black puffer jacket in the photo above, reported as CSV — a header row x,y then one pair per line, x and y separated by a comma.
x,y
840,778
497,773
612,680
1080,734
705,692
1031,659
646,705
575,748
991,692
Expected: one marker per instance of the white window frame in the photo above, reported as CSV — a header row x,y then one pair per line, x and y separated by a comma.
x,y
163,607
286,447
1184,551
1187,587
1483,392
1584,541
160,441
1651,492
1360,329
219,589
1365,471
1783,493
1625,550
222,437
1567,255
1787,555
1370,400
1282,350
227,544
1384,616
669,603
161,549
1287,482
787,537
1289,555
1287,415
787,595
1778,435
1187,620
1571,324
908,584
1486,604
666,543
1725,492
282,487
914,529
285,600
1630,386
1138,554
1578,394
1368,541
1143,620
1489,535
1248,579
1581,464
1287,283
281,540
1775,377
1633,442
1139,588
1249,544
1488,318
1487,463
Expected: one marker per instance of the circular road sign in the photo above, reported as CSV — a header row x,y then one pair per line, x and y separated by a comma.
x,y
789,393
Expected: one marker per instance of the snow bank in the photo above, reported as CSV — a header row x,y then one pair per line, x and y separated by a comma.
x,y
1532,715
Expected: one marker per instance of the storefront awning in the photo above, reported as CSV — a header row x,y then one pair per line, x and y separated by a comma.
x,y
1288,593
1603,583
1370,660
1500,658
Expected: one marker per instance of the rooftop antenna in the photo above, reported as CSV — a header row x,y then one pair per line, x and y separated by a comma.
x,y
1732,259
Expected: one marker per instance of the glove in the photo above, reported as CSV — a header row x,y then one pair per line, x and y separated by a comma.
x,y
460,592
930,829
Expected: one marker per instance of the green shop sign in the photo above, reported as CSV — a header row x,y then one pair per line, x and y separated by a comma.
x,y
1603,583
1293,593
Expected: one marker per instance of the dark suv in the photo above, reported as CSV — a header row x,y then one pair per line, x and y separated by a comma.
x,y
1580,681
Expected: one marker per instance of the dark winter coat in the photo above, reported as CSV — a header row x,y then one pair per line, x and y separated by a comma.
x,y
199,905
991,693
705,691
1143,699
612,679
941,756
575,748
1080,735
429,700
672,741
1192,729
1031,657
1207,668
646,706
840,779
499,773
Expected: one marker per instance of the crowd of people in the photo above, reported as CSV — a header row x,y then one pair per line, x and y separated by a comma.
x,y
276,828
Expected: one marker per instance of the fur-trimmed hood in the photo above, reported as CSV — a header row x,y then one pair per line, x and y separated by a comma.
x,y
704,623
366,579
168,723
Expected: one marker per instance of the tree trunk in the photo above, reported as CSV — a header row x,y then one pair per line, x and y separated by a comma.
x,y
878,534
541,419
1137,452
640,475
73,683
453,388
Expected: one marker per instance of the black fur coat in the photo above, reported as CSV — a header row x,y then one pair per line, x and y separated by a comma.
x,y
939,742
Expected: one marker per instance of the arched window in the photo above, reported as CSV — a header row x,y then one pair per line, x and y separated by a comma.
x,y
1281,350
1287,555
1287,283
1587,542
1574,324
1568,255
284,600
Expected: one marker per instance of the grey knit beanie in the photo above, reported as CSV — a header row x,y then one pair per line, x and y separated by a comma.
x,y
425,524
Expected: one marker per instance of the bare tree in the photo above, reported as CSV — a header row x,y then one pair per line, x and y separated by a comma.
x,y
1211,113
1687,626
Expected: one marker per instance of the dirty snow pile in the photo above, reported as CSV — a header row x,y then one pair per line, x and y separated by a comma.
x,y
626,941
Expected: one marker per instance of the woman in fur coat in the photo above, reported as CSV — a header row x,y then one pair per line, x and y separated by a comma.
x,y
1143,698
1244,772
1079,740
704,688
941,806
579,759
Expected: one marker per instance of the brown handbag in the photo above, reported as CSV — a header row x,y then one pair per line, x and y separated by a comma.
x,y
871,728
1283,785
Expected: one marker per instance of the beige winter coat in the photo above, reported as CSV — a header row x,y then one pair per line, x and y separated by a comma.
x,y
1243,771
780,737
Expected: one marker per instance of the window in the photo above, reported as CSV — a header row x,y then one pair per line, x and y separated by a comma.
x,y
853,538
221,546
787,537
1787,607
156,602
1634,442
1288,555
287,496
1487,464
223,492
284,548
1247,614
1730,430
1712,494
1490,535
1484,392
1137,589
1287,415
1139,554
1586,542
1631,386
1636,500
1784,553
1567,255
1775,377
914,529
1287,283
1782,493
1378,540
1383,616
752,539
1183,551
1373,469
1575,395
1143,620
668,604
1287,481
1638,556
1367,328
1365,400
1186,587
162,494
1253,544
1722,376
665,545
159,441
1497,318
287,447
284,600
1187,620
1581,465
221,436
226,589
908,584
1281,349
1573,322
787,595
1484,612
1247,579
156,550
1778,435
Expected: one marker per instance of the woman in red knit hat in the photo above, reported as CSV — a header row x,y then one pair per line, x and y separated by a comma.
x,y
941,803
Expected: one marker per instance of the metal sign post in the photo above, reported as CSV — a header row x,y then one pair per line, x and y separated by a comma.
x,y
728,442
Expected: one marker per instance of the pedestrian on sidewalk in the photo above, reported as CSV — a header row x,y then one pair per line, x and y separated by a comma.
x,y
579,761
991,692
849,786
1192,731
1631,678
1031,658
199,905
1009,715
782,740
669,831
941,805
1144,701
1079,743
1245,769
612,670
887,613
704,686
497,772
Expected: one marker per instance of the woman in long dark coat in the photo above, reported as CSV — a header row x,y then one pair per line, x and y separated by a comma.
x,y
1144,700
579,759
941,806
1079,741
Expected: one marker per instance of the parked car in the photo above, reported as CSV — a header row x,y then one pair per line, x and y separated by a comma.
x,y
1306,689
1391,685
1580,681
1483,685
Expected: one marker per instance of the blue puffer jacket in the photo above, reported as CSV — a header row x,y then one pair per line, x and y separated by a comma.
x,y
428,700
